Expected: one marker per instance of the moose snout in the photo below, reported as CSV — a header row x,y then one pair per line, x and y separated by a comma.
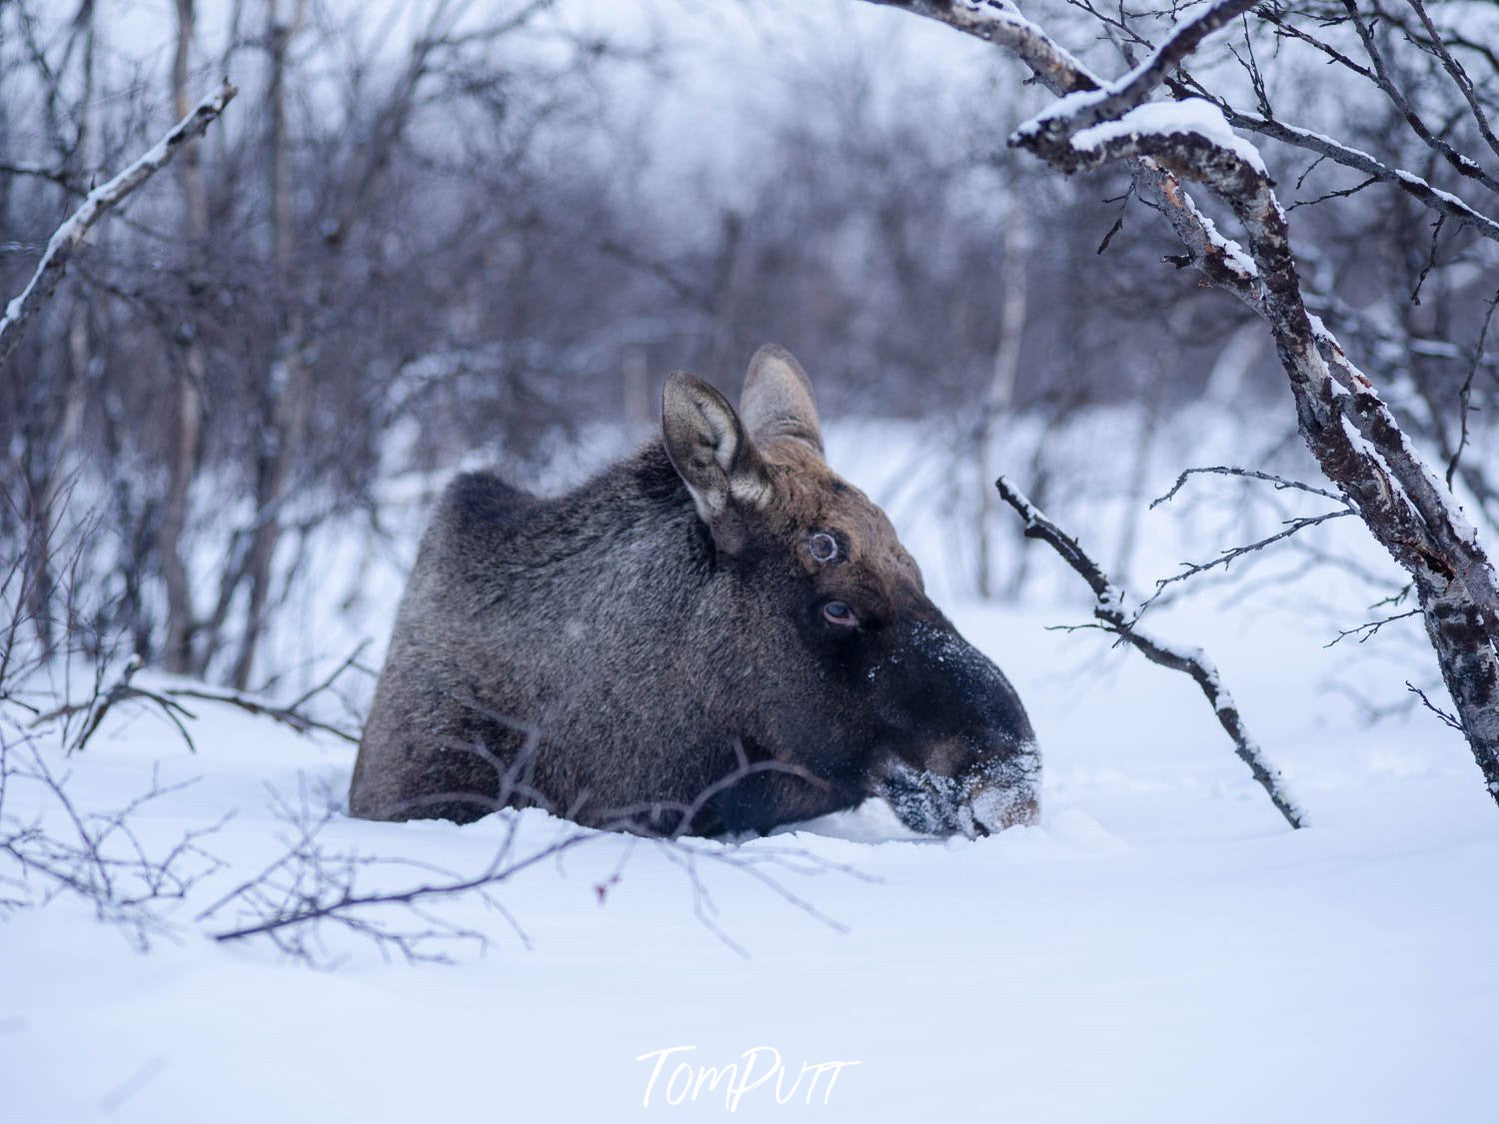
x,y
1000,788
1005,802
995,787
972,767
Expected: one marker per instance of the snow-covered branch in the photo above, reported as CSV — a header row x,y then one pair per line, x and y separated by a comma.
x,y
1112,100
70,235
1000,22
1442,202
1110,609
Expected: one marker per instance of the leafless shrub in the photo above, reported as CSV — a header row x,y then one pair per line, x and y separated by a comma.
x,y
56,848
314,890
167,702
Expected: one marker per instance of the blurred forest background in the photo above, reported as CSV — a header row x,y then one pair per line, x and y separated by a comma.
x,y
435,229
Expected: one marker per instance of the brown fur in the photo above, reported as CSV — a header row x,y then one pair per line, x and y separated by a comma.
x,y
617,652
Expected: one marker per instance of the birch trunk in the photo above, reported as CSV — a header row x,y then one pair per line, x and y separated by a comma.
x,y
187,397
999,400
286,382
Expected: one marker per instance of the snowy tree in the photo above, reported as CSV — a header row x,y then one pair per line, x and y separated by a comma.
x,y
1185,138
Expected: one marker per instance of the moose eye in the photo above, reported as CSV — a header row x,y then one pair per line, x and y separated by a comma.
x,y
836,612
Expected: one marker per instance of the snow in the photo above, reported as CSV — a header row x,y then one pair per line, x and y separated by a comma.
x,y
1067,105
1446,196
1173,118
1159,948
1241,262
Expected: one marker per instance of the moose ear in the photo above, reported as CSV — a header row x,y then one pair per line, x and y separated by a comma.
x,y
777,399
714,456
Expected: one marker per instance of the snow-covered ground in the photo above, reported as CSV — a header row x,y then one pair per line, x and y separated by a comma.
x,y
1161,948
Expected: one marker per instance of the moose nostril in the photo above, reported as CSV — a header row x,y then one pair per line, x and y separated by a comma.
x,y
996,809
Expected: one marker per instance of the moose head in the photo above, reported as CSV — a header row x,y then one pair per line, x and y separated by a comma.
x,y
819,639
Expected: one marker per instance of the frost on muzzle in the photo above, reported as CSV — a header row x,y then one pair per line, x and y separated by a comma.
x,y
998,794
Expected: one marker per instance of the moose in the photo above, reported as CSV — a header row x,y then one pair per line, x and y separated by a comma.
x,y
717,635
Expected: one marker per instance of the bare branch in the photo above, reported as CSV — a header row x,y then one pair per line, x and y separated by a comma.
x,y
1465,395
1342,193
95,856
99,202
1000,22
39,171
291,715
1232,554
1448,719
102,701
309,886
1109,609
1280,482
1368,629
1464,165
1458,75
1288,30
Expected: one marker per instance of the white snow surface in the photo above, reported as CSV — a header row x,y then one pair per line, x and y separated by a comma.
x,y
1160,948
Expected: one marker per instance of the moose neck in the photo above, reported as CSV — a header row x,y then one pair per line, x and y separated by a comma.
x,y
625,554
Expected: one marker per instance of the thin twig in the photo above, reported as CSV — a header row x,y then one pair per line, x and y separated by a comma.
x,y
1465,395
1368,629
1228,557
1280,482
1447,718
1109,609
